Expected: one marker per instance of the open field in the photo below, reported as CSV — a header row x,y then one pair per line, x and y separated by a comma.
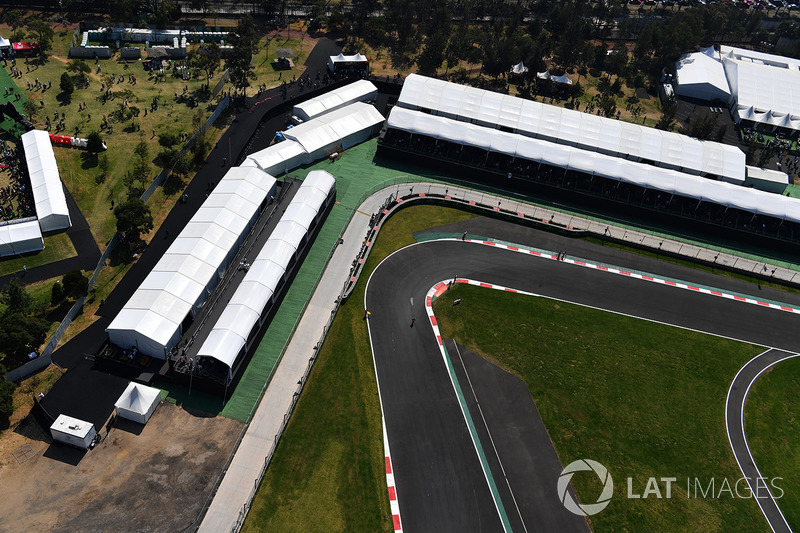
x,y
773,431
642,398
327,473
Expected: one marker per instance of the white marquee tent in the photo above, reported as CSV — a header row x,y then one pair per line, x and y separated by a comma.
x,y
701,76
20,237
138,402
359,91
48,192
345,127
182,280
566,126
279,158
4,43
537,150
244,310
342,60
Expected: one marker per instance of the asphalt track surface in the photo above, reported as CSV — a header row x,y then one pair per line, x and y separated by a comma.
x,y
762,488
440,482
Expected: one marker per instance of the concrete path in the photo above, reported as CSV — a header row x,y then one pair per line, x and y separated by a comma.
x,y
232,499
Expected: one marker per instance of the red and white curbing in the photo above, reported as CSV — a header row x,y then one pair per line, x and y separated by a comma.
x,y
393,505
645,277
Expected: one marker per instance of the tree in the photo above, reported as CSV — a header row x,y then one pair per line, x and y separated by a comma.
x,y
133,219
139,173
206,58
6,398
75,284
15,297
43,33
94,143
57,293
21,334
79,66
67,87
14,19
244,40
669,109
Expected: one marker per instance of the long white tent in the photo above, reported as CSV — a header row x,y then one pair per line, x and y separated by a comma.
x,y
20,237
566,126
182,280
344,127
541,151
248,304
48,192
358,91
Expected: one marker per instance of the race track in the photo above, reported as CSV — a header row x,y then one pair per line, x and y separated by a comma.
x,y
441,485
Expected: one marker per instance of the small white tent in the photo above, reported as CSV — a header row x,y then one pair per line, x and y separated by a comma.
x,y
138,402
519,69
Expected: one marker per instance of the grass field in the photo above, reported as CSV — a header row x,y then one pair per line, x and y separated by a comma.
x,y
642,398
328,472
57,246
773,431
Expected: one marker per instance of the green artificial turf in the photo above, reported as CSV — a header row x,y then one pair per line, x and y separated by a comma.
x,y
772,427
642,398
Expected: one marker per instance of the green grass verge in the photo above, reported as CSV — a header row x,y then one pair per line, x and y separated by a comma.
x,y
328,473
57,246
773,431
642,398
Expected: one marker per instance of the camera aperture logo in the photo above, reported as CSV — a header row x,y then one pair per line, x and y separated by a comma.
x,y
588,509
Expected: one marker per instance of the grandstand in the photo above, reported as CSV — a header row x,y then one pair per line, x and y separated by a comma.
x,y
536,156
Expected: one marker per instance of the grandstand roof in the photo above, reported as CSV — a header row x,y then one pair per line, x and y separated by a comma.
x,y
566,126
662,179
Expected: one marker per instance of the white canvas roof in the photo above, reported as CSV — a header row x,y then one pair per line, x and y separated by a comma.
x,y
764,93
138,402
280,157
359,91
347,126
662,179
48,192
248,303
20,237
186,274
535,119
701,75
4,43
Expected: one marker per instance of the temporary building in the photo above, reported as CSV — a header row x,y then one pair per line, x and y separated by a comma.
x,y
74,432
765,88
187,273
138,402
519,69
229,336
560,125
4,43
48,191
701,76
359,91
343,62
537,150
344,127
279,158
20,236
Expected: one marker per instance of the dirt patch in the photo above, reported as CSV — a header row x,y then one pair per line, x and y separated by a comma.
x,y
140,478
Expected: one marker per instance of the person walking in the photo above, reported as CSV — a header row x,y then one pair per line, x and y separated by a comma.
x,y
413,319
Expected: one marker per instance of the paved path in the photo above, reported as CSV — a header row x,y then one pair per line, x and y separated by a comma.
x,y
734,422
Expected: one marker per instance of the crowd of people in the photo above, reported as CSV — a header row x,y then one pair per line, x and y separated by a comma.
x,y
16,198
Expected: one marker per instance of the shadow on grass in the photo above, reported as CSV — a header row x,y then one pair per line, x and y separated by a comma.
x,y
89,160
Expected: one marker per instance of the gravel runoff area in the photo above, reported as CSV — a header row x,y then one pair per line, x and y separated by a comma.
x,y
150,478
